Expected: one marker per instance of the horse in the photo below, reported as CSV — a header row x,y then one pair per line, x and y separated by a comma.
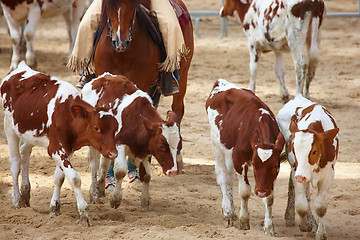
x,y
136,55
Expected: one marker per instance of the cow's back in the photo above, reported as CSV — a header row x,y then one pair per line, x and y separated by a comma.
x,y
19,10
237,113
30,97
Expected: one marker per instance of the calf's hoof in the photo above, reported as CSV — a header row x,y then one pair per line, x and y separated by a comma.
x,y
321,236
305,227
145,205
244,224
101,188
84,220
25,197
269,230
230,218
95,195
115,201
55,209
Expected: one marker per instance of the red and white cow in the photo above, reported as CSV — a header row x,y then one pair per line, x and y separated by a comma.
x,y
43,111
141,133
275,25
29,12
244,134
312,141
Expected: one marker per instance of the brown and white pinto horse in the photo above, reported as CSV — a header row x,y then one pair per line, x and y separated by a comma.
x,y
133,53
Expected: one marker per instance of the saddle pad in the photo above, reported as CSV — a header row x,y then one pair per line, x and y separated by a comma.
x,y
181,14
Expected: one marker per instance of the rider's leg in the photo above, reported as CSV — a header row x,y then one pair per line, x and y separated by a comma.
x,y
83,47
174,45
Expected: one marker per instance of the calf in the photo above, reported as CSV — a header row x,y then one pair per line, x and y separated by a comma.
x,y
311,136
275,25
244,134
43,111
141,133
29,12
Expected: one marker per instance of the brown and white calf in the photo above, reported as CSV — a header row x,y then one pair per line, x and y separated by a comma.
x,y
277,25
27,13
244,134
43,111
312,141
141,133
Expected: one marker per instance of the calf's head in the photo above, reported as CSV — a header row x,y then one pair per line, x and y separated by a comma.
x,y
266,162
95,128
165,142
311,150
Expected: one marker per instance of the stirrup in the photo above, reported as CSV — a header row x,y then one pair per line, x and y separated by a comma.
x,y
84,79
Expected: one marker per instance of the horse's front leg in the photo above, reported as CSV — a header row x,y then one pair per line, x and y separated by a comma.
x,y
94,156
145,176
120,171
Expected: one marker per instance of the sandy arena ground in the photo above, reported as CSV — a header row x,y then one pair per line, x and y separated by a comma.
x,y
188,206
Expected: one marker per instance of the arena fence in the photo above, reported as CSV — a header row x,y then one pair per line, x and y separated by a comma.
x,y
224,21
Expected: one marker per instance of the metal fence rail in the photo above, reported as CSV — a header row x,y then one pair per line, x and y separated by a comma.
x,y
224,21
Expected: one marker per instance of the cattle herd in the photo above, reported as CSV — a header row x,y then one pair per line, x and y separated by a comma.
x,y
116,119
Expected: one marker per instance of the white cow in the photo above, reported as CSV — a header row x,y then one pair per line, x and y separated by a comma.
x,y
275,25
311,136
29,12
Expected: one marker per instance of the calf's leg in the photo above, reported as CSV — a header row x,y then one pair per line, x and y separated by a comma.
x,y
268,223
254,59
145,176
94,156
59,178
245,193
225,180
15,35
120,171
279,70
29,33
25,152
321,204
74,180
290,207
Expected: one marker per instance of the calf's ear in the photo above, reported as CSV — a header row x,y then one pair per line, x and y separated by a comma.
x,y
255,139
148,124
280,141
79,111
171,118
228,8
293,126
330,134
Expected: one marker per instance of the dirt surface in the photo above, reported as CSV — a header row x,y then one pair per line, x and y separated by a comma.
x,y
188,206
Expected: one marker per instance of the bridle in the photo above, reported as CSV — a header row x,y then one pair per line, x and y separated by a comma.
x,y
125,44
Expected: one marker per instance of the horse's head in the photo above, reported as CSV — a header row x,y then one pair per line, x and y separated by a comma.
x,y
121,16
